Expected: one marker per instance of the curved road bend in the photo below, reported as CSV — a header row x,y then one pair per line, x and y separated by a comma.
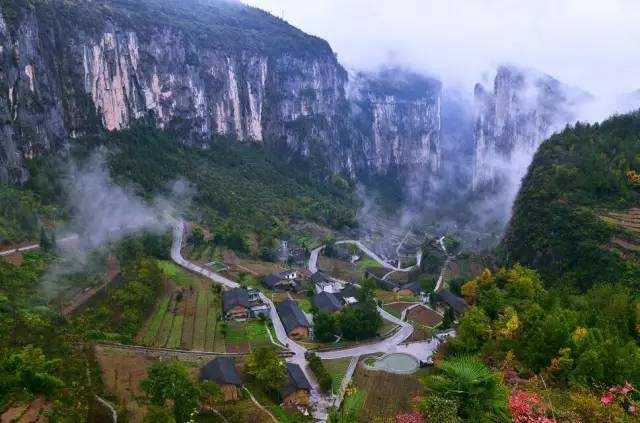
x,y
321,402
313,259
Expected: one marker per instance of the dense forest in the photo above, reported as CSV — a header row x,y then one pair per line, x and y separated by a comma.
x,y
571,219
237,190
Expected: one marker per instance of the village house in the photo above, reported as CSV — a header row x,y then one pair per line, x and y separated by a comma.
x,y
349,294
448,299
284,281
295,394
222,371
293,319
326,302
323,283
235,304
412,288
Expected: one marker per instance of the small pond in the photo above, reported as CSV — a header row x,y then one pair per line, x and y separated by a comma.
x,y
395,363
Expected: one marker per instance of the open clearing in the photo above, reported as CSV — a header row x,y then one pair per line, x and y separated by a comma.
x,y
340,269
245,336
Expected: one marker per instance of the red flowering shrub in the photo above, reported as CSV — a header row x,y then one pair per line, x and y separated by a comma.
x,y
626,395
527,407
413,417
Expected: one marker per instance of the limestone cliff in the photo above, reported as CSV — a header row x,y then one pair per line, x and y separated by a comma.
x,y
523,109
398,114
69,69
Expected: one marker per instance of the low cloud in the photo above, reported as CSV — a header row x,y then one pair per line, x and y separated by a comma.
x,y
103,213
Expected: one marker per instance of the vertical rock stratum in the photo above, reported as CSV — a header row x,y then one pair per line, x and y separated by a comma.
x,y
199,69
524,108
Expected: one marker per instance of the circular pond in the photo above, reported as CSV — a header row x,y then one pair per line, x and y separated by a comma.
x,y
396,363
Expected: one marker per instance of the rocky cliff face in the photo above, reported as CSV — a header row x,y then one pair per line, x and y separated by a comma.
x,y
522,110
81,71
399,113
199,69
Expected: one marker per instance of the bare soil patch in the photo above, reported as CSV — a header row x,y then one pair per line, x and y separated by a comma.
x,y
122,372
424,316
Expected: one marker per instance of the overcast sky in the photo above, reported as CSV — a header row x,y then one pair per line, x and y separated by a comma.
x,y
593,44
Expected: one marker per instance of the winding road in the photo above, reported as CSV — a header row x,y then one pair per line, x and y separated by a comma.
x,y
387,345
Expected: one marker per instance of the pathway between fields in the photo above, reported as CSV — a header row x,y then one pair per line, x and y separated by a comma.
x,y
388,345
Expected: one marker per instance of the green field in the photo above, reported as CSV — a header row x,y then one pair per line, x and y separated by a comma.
x,y
252,332
337,369
175,273
185,317
365,263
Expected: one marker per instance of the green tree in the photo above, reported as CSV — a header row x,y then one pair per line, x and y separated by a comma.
x,y
169,383
196,238
473,329
157,414
29,370
437,409
266,367
325,326
473,386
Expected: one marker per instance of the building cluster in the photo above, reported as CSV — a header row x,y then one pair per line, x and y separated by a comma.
x,y
224,372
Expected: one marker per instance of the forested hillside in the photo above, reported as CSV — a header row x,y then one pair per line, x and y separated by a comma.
x,y
574,219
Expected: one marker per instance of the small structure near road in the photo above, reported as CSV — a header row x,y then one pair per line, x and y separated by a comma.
x,y
448,299
284,281
295,394
326,302
293,319
222,371
235,304
241,304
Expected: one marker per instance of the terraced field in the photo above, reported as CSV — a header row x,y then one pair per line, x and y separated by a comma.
x,y
628,240
186,316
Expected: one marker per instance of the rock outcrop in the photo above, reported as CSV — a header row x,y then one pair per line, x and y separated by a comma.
x,y
398,115
523,109
199,69
74,69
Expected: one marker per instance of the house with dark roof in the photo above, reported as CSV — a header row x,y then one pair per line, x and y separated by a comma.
x,y
222,371
320,277
293,319
285,281
296,392
326,302
457,304
412,288
235,304
349,291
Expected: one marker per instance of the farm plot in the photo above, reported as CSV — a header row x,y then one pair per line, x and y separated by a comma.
x,y
337,369
385,394
185,317
244,336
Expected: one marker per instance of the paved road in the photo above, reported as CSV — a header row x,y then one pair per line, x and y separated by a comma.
x,y
386,345
176,256
35,246
316,397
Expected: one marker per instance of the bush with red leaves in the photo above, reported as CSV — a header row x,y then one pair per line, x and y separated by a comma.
x,y
527,407
413,417
625,395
